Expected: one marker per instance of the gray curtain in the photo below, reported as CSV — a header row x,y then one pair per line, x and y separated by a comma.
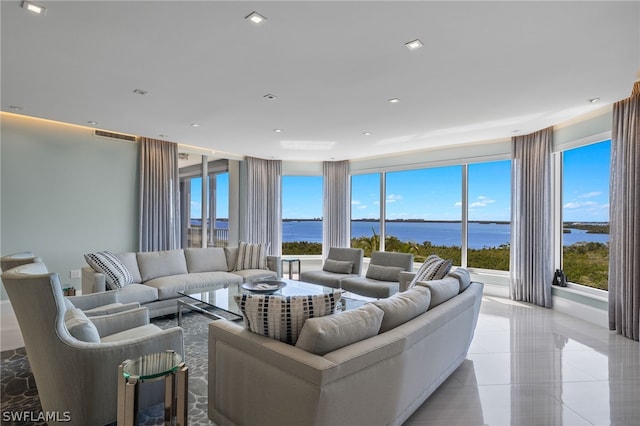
x,y
531,263
624,244
336,212
264,203
159,196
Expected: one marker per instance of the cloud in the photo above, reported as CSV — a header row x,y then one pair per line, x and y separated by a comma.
x,y
458,204
355,202
392,198
590,194
580,205
362,206
482,201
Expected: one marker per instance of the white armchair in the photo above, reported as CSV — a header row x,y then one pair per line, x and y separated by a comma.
x,y
75,376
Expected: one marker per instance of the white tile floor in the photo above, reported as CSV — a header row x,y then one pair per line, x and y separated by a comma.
x,y
534,366
526,366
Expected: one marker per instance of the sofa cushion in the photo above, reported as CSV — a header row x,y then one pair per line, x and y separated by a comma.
x,y
137,293
402,307
130,260
323,335
116,273
327,279
384,273
441,290
169,286
80,326
433,268
156,264
251,256
463,277
338,266
206,259
368,287
256,274
282,317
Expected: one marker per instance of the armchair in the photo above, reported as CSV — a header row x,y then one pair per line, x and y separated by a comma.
x,y
383,275
12,260
340,263
80,377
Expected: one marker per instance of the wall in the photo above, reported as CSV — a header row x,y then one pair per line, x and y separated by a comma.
x,y
65,192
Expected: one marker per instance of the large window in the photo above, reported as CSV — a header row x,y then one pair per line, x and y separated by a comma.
x,y
585,214
302,214
489,215
365,212
423,212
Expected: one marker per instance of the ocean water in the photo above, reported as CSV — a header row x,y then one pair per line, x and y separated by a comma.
x,y
438,233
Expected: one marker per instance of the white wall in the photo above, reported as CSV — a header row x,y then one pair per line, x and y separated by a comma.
x,y
65,192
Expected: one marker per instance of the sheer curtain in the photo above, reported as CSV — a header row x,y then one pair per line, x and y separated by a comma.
x,y
336,214
624,245
159,196
531,261
264,199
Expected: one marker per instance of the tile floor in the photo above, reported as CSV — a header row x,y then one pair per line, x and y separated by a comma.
x,y
526,366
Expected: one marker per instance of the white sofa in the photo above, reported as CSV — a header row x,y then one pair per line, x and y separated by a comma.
x,y
158,276
380,380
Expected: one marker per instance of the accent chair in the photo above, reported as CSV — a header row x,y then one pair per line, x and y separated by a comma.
x,y
383,275
340,263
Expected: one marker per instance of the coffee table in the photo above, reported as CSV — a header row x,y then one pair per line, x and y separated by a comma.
x,y
217,302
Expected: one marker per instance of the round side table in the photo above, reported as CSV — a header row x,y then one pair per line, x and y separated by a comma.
x,y
156,366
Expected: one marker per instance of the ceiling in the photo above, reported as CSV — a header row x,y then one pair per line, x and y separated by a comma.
x,y
487,70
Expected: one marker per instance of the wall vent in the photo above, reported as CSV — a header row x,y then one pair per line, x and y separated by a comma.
x,y
113,135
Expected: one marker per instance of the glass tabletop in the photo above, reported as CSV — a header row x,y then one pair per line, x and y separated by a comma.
x,y
151,366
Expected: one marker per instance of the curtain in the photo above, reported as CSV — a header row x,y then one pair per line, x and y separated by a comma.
x,y
336,212
264,200
624,233
159,196
531,263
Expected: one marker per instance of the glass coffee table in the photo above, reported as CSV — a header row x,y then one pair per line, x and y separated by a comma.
x,y
217,302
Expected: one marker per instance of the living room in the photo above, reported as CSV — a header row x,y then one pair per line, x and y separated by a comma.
x,y
67,192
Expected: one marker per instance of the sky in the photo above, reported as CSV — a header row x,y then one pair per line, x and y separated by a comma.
x,y
435,193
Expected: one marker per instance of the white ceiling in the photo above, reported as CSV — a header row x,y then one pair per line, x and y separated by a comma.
x,y
487,70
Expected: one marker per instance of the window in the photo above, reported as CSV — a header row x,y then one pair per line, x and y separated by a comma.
x,y
424,213
489,215
302,199
365,212
585,214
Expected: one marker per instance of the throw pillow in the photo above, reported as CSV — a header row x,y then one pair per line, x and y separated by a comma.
x,y
441,290
323,335
384,273
463,277
80,326
433,268
282,317
251,256
116,274
402,307
337,266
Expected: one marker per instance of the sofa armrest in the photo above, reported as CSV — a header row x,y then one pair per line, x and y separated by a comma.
x,y
405,279
121,321
274,263
92,281
93,300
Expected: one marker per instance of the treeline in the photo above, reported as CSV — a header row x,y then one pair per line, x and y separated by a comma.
x,y
584,263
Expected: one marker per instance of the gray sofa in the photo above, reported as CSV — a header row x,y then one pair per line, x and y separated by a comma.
x,y
158,276
380,379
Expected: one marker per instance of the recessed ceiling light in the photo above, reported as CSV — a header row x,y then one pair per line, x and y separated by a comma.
x,y
15,107
93,123
413,45
34,8
593,100
195,125
277,130
270,96
140,92
367,133
255,17
394,100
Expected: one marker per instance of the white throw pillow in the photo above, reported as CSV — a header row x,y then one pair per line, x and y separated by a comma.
x,y
116,274
402,307
251,256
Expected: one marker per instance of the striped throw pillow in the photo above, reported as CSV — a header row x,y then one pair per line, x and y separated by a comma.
x,y
433,268
251,256
282,317
116,274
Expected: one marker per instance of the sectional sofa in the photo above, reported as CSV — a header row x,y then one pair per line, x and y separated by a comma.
x,y
153,279
375,364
